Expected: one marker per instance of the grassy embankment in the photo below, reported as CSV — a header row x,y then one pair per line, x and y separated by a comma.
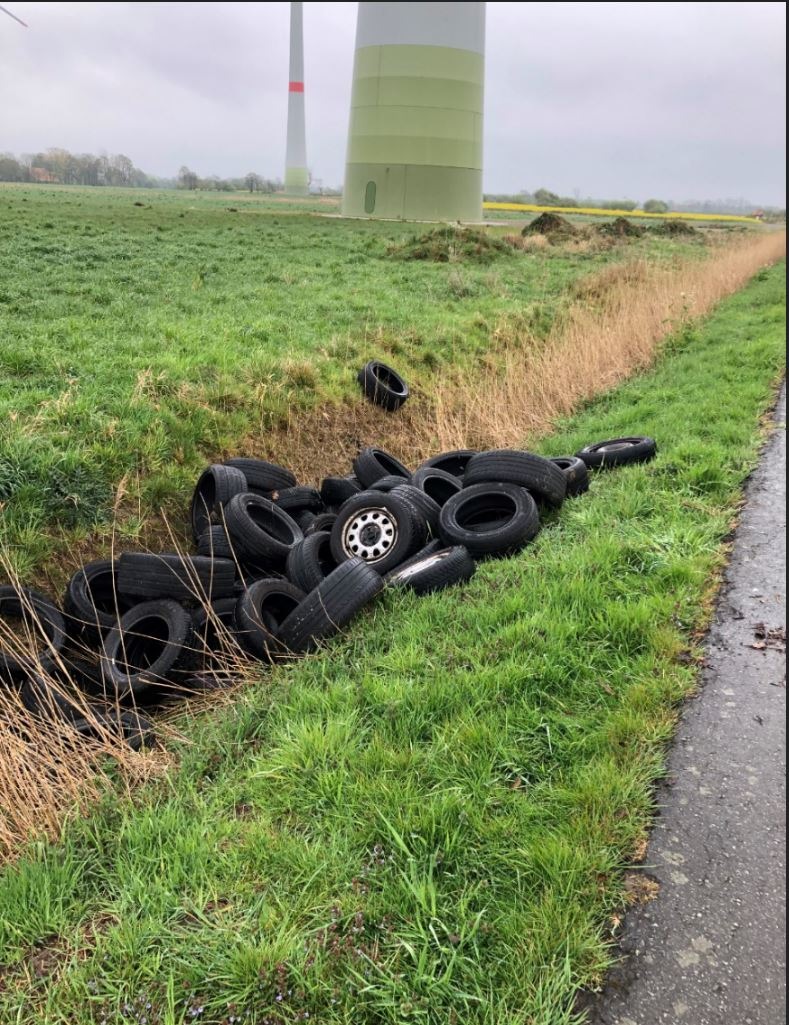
x,y
426,822
145,333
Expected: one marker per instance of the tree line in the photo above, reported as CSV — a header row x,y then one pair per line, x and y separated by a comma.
x,y
57,166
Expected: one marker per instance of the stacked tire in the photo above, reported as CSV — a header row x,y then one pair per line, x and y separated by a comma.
x,y
279,569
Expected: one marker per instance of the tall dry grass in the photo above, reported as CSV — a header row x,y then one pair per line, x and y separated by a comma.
x,y
613,329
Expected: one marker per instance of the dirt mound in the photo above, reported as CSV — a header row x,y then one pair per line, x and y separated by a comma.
x,y
443,245
550,225
620,227
674,228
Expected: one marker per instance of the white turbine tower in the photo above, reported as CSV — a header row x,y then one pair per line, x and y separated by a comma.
x,y
296,175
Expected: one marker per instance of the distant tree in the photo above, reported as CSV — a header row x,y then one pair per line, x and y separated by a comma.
x,y
618,204
187,179
252,181
655,206
10,168
544,197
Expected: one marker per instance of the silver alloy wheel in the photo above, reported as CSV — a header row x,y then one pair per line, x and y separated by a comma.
x,y
370,534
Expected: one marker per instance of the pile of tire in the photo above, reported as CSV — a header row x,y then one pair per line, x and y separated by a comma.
x,y
278,568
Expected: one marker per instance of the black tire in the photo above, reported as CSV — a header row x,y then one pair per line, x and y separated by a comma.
x,y
214,626
330,606
215,487
305,519
436,484
323,521
490,519
435,571
618,452
92,604
311,561
382,530
336,490
373,463
382,385
576,473
137,731
388,483
47,701
262,534
42,637
153,644
259,613
262,475
545,481
215,544
186,578
424,505
450,462
298,498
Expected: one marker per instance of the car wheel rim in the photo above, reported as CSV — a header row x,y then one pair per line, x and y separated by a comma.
x,y
370,534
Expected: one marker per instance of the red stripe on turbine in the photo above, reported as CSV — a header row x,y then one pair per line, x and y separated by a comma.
x,y
295,87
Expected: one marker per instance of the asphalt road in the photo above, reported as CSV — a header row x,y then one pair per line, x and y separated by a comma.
x,y
711,948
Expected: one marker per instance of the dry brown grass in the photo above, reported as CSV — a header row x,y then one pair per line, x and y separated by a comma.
x,y
614,329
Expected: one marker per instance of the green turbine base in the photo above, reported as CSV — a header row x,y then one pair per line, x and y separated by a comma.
x,y
297,181
413,192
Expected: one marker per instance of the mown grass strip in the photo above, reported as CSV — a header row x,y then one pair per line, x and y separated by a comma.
x,y
425,823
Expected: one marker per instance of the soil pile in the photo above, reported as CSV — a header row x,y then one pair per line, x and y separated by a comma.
x,y
620,227
450,244
551,225
674,228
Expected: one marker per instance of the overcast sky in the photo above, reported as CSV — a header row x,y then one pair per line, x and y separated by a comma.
x,y
674,100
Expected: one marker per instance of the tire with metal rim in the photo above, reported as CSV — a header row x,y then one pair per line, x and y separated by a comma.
x,y
372,464
434,572
490,519
330,606
32,633
153,644
541,478
215,487
618,452
382,385
576,473
259,613
454,462
311,561
380,529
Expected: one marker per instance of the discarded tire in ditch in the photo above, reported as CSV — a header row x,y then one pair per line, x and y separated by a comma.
x,y
542,479
490,519
576,474
37,642
618,452
262,534
153,644
311,560
382,385
380,529
214,489
259,613
330,606
435,571
372,464
185,578
92,603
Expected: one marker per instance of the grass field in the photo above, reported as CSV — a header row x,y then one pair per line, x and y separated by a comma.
x,y
144,333
427,822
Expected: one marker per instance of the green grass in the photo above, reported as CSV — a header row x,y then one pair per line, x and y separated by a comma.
x,y
143,333
426,822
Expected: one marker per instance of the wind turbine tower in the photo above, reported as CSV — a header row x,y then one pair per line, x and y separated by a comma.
x,y
296,174
415,136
